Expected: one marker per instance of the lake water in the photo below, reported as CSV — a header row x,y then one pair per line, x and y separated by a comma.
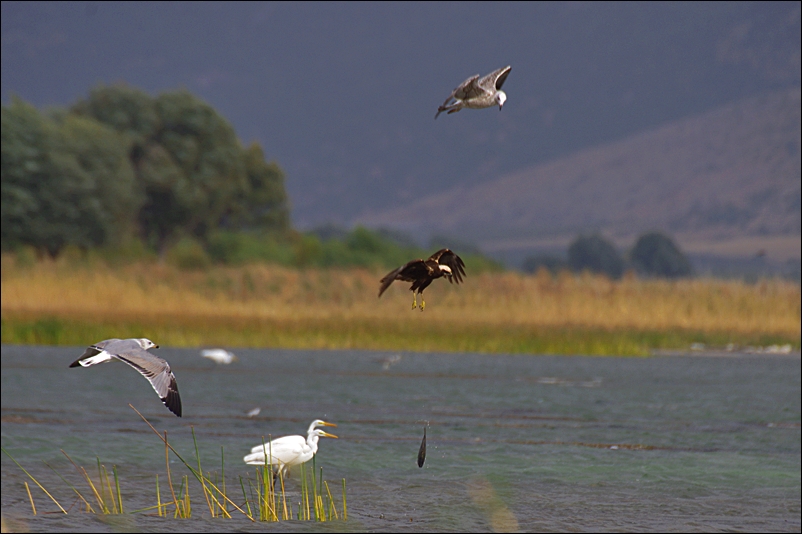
x,y
533,443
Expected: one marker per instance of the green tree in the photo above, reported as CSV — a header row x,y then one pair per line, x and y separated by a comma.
x,y
64,181
263,204
194,174
595,254
656,254
128,110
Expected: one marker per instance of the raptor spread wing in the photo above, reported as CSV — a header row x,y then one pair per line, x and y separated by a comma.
x,y
408,272
447,257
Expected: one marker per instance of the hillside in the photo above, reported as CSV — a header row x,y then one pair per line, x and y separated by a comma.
x,y
343,95
726,174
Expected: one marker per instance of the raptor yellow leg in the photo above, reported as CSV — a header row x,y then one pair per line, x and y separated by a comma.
x,y
422,302
414,301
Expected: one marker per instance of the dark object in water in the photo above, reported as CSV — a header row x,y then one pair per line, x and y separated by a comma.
x,y
422,451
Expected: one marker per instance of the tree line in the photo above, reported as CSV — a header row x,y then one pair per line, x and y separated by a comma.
x,y
654,254
121,164
121,170
126,175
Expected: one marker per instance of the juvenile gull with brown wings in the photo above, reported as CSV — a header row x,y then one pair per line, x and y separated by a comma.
x,y
478,92
421,273
135,353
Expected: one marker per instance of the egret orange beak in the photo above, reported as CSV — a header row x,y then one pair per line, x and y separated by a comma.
x,y
327,435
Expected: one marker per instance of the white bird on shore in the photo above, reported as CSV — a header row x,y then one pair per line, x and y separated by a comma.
x,y
287,451
135,353
478,93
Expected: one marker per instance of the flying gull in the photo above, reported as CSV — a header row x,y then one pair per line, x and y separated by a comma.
x,y
478,93
421,273
134,353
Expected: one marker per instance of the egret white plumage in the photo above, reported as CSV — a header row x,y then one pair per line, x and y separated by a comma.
x,y
287,451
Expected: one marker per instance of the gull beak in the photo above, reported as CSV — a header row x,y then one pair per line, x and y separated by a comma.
x,y
155,346
326,434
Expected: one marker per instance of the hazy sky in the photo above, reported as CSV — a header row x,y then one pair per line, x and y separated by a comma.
x,y
343,95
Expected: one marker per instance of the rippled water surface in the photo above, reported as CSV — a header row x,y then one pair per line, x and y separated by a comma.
x,y
680,443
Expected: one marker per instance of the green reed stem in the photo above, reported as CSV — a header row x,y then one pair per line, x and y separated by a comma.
x,y
169,474
198,476
223,476
345,508
305,493
34,480
107,489
119,493
158,496
332,507
82,471
197,455
104,505
88,506
245,497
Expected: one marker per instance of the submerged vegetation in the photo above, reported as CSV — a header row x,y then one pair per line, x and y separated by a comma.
x,y
265,499
74,298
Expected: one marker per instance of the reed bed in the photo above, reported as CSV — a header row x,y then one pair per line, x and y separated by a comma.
x,y
267,500
69,301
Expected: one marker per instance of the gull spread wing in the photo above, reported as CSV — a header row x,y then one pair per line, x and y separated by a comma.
x,y
155,369
468,89
158,373
493,81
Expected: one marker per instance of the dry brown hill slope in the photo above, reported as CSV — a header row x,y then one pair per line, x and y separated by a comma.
x,y
722,175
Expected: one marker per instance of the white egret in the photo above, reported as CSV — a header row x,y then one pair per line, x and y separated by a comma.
x,y
287,451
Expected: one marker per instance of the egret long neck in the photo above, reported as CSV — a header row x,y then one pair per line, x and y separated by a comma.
x,y
312,442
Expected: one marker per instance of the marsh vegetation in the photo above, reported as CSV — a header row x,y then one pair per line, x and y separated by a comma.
x,y
70,300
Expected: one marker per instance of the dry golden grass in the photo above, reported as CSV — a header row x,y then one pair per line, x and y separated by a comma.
x,y
340,309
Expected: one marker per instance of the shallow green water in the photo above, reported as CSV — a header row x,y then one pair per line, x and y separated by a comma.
x,y
530,442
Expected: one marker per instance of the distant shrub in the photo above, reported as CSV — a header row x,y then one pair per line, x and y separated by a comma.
x,y
26,256
188,254
597,255
238,248
552,263
655,254
329,247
